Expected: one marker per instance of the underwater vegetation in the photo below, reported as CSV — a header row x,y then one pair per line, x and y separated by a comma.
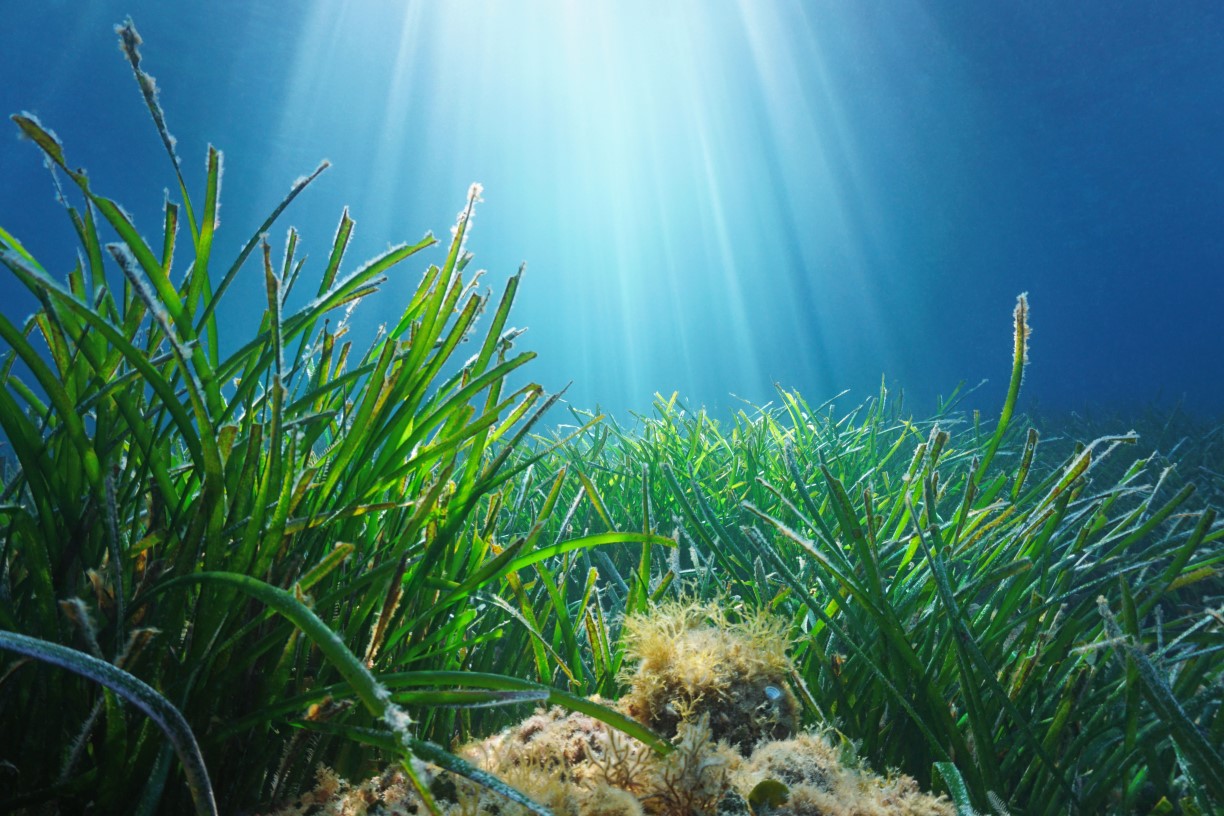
x,y
717,688
231,571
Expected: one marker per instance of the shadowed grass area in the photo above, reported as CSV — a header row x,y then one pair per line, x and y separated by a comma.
x,y
299,552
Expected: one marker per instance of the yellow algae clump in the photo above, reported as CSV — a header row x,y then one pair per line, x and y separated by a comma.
x,y
688,659
388,794
818,783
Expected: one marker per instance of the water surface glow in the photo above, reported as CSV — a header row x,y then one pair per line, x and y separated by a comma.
x,y
710,196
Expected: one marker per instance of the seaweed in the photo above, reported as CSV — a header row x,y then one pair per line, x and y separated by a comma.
x,y
320,554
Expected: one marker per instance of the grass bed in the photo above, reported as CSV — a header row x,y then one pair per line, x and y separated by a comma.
x,y
300,552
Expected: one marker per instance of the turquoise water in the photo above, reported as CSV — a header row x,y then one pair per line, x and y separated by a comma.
x,y
710,196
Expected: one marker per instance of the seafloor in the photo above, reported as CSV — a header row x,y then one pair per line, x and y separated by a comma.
x,y
720,690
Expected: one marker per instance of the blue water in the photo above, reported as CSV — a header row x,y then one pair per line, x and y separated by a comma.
x,y
710,196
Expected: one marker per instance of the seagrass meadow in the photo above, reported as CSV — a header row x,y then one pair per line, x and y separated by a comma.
x,y
224,565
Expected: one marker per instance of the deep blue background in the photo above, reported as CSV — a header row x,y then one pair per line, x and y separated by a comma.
x,y
710,196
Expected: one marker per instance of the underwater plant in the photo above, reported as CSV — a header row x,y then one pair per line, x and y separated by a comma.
x,y
733,754
304,561
690,661
1035,619
245,542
